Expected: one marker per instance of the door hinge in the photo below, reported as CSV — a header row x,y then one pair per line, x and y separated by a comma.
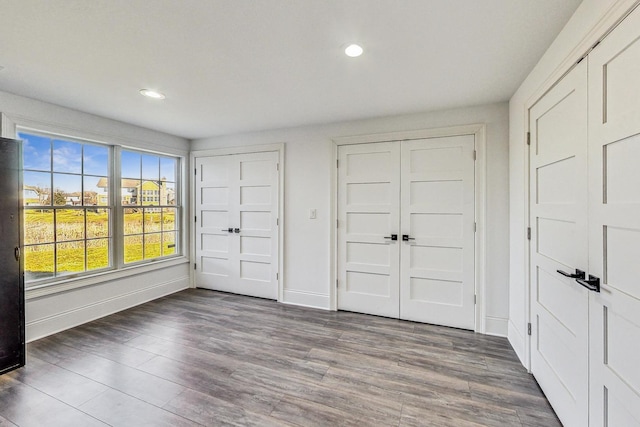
x,y
336,283
528,328
337,163
337,223
195,266
528,233
528,138
475,299
195,218
195,171
475,227
277,221
277,166
277,276
475,155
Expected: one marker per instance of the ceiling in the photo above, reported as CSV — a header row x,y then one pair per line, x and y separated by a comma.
x,y
230,66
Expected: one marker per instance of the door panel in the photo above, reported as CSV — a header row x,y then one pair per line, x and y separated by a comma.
x,y
558,209
437,283
368,211
614,225
237,230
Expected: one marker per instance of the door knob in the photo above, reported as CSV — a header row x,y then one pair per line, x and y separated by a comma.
x,y
236,230
406,238
593,284
579,274
392,237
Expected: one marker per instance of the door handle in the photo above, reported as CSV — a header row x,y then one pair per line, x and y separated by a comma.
x,y
579,274
406,238
392,237
593,284
16,253
228,230
236,230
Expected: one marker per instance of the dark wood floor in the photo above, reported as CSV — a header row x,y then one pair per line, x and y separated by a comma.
x,y
205,358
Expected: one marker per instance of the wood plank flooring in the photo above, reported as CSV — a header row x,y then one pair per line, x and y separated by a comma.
x,y
200,357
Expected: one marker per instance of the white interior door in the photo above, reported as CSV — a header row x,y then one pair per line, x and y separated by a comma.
x,y
614,225
237,223
368,215
437,270
558,219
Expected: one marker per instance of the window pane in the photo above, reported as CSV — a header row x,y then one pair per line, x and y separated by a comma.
x,y
152,220
148,187
97,223
130,165
96,191
169,219
132,221
38,226
168,168
38,262
98,254
67,189
96,160
152,245
70,257
168,243
69,224
37,187
131,191
36,152
67,156
132,249
150,167
169,196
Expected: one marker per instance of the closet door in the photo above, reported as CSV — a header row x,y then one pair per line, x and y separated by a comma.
x,y
368,220
237,223
437,283
614,225
12,351
558,219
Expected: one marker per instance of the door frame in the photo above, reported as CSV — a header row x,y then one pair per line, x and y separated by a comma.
x,y
479,133
228,151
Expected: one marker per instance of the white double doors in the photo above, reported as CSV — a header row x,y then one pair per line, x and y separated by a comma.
x,y
585,220
236,210
406,244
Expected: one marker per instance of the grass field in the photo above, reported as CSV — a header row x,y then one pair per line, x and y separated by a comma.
x,y
148,234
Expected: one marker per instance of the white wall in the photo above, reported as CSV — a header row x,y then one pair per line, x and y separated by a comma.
x,y
110,292
308,169
590,21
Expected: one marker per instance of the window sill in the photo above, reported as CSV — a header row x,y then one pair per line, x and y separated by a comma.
x,y
58,286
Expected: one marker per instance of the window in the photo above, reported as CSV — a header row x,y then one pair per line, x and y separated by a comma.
x,y
74,221
67,226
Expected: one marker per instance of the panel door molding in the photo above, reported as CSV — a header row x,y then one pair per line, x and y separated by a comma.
x,y
406,229
237,230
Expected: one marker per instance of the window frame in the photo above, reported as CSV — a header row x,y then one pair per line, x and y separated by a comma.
x,y
118,268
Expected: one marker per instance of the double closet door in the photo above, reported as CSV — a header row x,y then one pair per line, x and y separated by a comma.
x,y
236,210
406,229
585,221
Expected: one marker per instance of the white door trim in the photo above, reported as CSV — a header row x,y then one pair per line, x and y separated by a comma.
x,y
225,151
479,132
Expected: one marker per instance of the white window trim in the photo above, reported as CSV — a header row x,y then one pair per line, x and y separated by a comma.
x,y
9,125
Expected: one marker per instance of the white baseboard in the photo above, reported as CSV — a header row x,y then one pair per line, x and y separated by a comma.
x,y
495,326
69,319
306,299
517,341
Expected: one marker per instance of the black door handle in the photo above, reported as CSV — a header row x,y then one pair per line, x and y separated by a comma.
x,y
236,230
392,237
406,238
593,284
16,253
579,274
229,230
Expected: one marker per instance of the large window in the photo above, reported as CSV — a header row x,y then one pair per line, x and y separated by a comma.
x,y
74,222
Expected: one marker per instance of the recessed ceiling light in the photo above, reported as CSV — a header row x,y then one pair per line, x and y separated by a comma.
x,y
150,93
353,50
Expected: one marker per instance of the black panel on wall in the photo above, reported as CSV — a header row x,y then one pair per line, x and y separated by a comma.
x,y
12,321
